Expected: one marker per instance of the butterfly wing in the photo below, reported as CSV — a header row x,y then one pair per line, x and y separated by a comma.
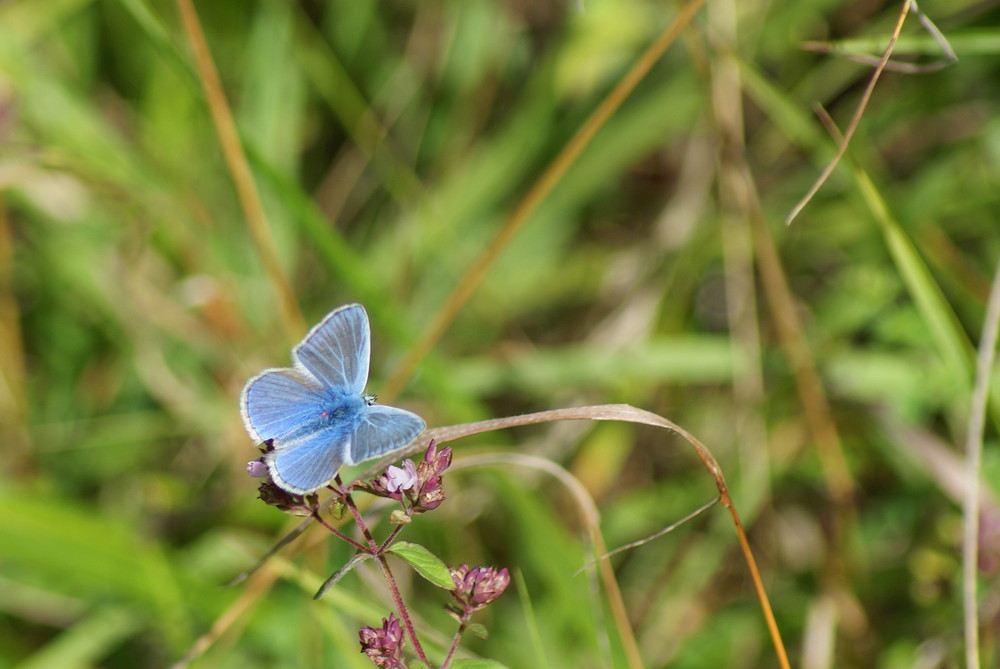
x,y
278,402
382,430
338,349
285,405
308,464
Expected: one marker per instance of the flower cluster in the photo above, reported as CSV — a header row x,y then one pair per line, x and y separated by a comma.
x,y
295,505
384,645
419,484
272,495
477,588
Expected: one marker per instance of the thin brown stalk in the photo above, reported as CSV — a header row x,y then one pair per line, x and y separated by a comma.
x,y
13,395
659,533
973,462
816,405
864,59
239,168
949,57
469,283
855,119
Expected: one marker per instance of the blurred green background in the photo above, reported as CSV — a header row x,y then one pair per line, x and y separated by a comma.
x,y
389,142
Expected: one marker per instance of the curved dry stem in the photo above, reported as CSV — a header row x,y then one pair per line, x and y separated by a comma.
x,y
655,535
469,283
973,458
855,119
236,160
948,54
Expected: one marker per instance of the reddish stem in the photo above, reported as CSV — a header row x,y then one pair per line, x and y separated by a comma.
x,y
379,554
454,645
401,608
337,532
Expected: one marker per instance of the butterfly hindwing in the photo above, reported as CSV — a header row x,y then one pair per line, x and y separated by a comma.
x,y
308,464
337,350
382,430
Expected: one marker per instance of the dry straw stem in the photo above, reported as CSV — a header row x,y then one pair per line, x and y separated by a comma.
x,y
949,57
236,160
973,459
816,405
855,120
13,393
469,283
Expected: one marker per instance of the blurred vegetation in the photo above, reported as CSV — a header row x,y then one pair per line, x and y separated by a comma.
x,y
389,142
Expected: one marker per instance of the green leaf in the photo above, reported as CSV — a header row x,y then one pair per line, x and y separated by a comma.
x,y
340,573
479,630
426,563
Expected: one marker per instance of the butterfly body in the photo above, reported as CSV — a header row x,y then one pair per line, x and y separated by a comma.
x,y
316,414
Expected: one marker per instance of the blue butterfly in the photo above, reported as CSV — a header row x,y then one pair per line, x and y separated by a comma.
x,y
316,414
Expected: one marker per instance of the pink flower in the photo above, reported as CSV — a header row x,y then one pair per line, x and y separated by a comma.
x,y
256,468
431,494
420,485
384,645
401,478
478,587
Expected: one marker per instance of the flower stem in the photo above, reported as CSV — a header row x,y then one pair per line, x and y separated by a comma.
x,y
379,553
337,532
373,546
454,645
401,608
392,535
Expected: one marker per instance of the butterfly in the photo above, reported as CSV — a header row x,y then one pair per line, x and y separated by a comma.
x,y
316,413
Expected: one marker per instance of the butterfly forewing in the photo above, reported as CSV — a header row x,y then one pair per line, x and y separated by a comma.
x,y
337,350
277,402
382,430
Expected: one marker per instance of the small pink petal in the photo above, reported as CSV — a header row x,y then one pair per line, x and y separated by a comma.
x,y
401,478
256,469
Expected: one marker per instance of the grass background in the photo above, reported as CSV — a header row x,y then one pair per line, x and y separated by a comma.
x,y
389,142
